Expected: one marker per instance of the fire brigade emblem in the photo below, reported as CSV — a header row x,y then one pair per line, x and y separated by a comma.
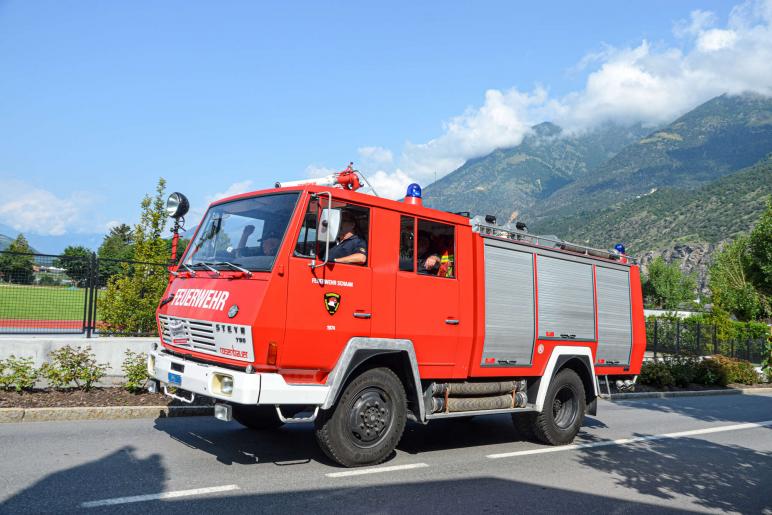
x,y
332,302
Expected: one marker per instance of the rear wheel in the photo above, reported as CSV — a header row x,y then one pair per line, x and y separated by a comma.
x,y
564,407
367,422
256,417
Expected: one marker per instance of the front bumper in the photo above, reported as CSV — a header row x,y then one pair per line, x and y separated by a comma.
x,y
259,388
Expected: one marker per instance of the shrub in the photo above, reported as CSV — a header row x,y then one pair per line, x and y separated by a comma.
x,y
738,371
683,369
17,374
712,372
656,373
73,365
135,369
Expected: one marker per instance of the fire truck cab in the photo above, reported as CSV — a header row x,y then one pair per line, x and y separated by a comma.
x,y
316,303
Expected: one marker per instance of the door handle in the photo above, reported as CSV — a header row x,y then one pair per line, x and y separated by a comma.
x,y
451,321
362,315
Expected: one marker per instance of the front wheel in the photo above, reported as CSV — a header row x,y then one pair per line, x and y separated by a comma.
x,y
367,422
563,411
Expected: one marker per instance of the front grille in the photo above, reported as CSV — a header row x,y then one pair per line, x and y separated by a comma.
x,y
231,341
199,333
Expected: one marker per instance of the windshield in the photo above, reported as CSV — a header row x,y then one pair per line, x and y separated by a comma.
x,y
246,233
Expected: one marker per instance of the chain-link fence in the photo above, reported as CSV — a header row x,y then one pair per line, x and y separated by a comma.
x,y
689,338
57,294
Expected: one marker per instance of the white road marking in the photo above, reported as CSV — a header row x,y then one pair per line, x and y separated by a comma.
x,y
155,497
626,441
376,470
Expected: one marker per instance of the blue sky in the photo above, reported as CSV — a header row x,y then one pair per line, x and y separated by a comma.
x,y
99,99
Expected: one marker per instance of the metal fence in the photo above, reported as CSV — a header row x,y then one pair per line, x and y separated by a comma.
x,y
687,338
57,294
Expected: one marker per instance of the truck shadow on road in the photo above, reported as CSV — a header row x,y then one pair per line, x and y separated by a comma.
x,y
233,443
295,444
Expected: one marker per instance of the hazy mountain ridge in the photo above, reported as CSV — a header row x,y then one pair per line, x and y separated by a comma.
x,y
512,182
710,214
715,139
702,179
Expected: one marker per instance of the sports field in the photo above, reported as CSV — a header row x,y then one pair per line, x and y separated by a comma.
x,y
24,306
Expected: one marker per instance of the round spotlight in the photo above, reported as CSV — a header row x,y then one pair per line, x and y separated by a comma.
x,y
177,205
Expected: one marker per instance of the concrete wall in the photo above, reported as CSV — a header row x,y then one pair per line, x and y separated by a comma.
x,y
108,350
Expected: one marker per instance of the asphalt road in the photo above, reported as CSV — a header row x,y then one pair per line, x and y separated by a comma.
x,y
685,454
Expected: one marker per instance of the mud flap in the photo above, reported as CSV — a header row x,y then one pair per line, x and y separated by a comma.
x,y
592,408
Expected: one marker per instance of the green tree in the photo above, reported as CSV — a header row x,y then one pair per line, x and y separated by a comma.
x,y
730,283
117,245
132,296
18,268
760,249
76,263
666,287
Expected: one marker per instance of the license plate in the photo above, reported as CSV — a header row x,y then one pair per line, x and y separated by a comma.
x,y
175,379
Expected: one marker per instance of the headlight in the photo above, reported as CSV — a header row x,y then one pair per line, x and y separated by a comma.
x,y
227,385
177,205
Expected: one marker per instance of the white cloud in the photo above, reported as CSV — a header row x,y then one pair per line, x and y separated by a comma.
x,y
26,208
648,83
375,155
234,189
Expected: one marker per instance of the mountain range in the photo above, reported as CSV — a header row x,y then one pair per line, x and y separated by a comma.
x,y
700,180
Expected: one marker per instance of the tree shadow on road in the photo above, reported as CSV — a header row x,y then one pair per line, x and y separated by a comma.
x,y
118,474
739,408
712,475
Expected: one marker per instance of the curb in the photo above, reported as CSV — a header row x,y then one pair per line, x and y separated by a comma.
x,y
693,393
10,415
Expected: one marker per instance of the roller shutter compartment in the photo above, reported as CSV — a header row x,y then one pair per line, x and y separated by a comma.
x,y
615,335
509,307
566,300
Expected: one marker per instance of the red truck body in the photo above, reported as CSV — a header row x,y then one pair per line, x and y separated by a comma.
x,y
512,300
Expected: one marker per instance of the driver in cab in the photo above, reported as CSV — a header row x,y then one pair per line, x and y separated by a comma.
x,y
350,248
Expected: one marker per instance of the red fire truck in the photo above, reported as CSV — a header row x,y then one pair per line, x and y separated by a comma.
x,y
312,302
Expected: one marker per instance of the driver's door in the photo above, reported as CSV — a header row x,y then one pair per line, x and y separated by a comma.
x,y
329,304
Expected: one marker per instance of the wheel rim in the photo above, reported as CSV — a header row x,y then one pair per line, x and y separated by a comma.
x,y
565,407
370,417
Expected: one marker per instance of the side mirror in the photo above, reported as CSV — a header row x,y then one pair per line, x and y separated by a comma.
x,y
329,225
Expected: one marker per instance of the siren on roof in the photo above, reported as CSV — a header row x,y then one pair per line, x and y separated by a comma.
x,y
413,195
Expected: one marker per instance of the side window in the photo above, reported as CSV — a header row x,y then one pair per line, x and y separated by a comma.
x,y
436,249
349,227
306,244
406,243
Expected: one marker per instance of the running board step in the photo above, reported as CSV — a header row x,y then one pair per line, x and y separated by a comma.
x,y
296,420
434,416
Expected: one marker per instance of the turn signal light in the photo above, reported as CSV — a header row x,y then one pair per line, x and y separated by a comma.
x,y
273,350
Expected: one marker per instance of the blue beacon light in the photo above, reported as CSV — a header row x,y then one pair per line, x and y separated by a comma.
x,y
619,248
413,195
414,190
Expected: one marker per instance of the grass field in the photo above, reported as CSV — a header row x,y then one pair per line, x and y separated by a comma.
x,y
41,302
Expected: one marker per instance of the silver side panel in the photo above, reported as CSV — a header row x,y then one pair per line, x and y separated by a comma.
x,y
566,300
615,336
509,306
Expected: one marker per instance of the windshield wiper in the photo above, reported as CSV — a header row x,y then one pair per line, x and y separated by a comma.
x,y
205,265
190,270
234,266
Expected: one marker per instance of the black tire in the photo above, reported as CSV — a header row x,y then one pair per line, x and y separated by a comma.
x,y
367,422
525,424
563,411
256,417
